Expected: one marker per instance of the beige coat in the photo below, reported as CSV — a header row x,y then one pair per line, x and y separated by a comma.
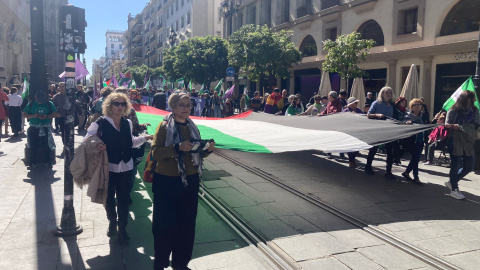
x,y
90,166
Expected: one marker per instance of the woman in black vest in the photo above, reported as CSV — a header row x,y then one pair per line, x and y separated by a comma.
x,y
116,132
176,184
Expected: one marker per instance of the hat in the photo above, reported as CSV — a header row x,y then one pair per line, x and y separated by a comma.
x,y
352,100
40,96
400,99
276,90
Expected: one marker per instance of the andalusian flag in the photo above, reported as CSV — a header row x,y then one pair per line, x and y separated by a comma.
x,y
466,86
336,133
202,89
190,85
26,89
147,85
219,86
133,84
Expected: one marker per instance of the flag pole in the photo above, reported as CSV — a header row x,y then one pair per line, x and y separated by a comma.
x,y
476,82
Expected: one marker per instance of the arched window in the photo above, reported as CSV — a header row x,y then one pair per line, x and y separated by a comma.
x,y
308,47
372,30
464,17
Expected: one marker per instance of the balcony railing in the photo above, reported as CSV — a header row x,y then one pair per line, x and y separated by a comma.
x,y
304,11
329,3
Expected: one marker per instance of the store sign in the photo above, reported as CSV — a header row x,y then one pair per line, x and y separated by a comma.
x,y
471,56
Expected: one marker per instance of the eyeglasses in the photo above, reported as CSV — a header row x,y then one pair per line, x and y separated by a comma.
x,y
184,105
116,104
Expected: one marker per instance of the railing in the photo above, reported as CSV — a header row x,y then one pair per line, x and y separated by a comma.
x,y
329,3
304,11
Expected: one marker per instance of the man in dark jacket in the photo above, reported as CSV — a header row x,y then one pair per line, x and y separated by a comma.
x,y
160,100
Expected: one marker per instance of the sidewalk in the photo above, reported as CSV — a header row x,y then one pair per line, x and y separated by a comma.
x,y
31,208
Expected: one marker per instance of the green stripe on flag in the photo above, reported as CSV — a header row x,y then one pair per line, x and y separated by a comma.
x,y
222,140
466,86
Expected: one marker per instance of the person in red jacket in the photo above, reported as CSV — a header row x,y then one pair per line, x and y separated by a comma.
x,y
437,139
334,105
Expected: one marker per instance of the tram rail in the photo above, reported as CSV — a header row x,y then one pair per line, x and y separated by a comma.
x,y
387,237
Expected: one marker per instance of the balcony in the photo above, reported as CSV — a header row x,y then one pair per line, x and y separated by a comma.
x,y
329,3
139,23
137,46
304,11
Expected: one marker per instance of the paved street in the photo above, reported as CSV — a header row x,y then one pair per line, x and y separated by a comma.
x,y
313,238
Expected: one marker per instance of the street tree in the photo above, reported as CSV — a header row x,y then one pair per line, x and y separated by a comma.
x,y
138,73
345,53
198,59
258,52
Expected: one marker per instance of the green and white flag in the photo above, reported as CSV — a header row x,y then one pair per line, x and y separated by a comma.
x,y
147,85
190,85
26,88
466,86
133,84
219,86
202,89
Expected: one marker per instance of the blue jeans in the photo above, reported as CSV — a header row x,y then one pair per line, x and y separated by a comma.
x,y
217,112
459,168
416,153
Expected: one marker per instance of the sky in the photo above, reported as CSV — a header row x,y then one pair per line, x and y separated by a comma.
x,y
103,15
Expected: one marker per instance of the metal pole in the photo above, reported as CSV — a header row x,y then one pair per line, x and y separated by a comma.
x,y
38,77
68,224
476,79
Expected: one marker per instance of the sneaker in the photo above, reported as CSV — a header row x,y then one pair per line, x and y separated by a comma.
x,y
369,170
447,184
406,176
329,156
390,176
428,163
457,194
352,164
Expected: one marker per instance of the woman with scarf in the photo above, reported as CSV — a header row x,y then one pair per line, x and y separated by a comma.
x,y
414,116
463,120
176,184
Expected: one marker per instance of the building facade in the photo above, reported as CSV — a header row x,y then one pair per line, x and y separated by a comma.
x,y
15,41
148,32
55,61
439,37
97,70
113,50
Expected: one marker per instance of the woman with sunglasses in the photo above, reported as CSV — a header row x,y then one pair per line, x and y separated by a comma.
x,y
135,97
116,133
176,184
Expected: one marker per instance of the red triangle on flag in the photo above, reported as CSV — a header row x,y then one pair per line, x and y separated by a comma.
x,y
108,82
128,75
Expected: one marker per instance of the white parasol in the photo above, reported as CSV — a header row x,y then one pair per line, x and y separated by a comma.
x,y
358,91
410,88
325,86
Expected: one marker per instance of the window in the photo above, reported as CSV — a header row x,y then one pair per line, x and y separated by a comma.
x,y
188,18
462,18
331,34
183,2
120,46
409,21
112,52
372,30
168,15
176,26
176,5
252,13
182,24
171,10
308,47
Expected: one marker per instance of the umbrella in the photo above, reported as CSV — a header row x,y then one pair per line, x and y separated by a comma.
x,y
410,88
325,86
358,91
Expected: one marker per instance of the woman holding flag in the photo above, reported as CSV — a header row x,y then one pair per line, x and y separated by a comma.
x,y
463,119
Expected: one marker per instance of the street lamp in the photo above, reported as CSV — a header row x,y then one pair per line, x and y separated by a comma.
x,y
172,38
148,58
229,8
85,65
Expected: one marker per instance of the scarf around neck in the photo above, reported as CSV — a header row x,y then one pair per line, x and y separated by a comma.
x,y
174,137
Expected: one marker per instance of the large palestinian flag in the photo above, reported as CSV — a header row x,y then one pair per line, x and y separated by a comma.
x,y
266,133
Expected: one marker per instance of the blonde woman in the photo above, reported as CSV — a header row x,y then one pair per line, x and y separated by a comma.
x,y
382,108
116,132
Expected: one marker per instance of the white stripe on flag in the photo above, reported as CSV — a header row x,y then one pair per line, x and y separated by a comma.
x,y
283,138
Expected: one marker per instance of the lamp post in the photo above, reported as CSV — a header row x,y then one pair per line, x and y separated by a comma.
x,y
172,39
229,8
148,58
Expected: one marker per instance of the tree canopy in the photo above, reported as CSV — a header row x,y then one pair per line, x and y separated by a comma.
x,y
198,59
138,73
345,53
257,51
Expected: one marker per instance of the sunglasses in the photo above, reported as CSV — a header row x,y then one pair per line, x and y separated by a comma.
x,y
116,104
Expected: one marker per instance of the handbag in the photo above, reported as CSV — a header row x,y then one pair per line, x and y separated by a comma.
x,y
149,170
